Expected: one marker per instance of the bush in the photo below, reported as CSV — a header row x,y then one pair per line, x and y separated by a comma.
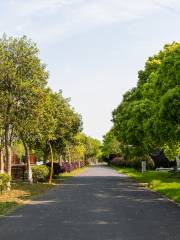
x,y
87,163
133,163
118,162
56,167
40,173
136,163
4,179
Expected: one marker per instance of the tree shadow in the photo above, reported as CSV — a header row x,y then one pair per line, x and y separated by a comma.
x,y
96,207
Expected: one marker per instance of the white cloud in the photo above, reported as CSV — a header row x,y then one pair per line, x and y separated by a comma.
x,y
106,11
29,7
50,19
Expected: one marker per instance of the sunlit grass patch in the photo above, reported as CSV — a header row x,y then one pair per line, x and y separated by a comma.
x,y
67,175
5,207
73,173
21,193
165,183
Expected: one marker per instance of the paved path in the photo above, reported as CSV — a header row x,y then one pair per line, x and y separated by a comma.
x,y
99,204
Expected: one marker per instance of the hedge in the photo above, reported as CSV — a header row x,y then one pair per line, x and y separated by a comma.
x,y
40,173
132,163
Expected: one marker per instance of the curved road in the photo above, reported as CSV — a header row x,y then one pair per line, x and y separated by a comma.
x,y
99,204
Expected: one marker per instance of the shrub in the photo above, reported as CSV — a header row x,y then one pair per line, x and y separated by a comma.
x,y
56,167
133,163
118,162
4,179
82,164
87,163
40,173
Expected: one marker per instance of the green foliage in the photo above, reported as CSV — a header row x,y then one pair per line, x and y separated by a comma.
x,y
111,146
18,149
68,123
172,151
77,147
134,162
39,154
149,115
4,179
92,148
22,80
40,173
58,124
83,147
21,76
30,112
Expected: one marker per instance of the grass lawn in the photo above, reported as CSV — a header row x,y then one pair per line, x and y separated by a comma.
x,y
21,193
66,175
165,183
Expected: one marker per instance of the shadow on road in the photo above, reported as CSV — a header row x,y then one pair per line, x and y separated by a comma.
x,y
95,207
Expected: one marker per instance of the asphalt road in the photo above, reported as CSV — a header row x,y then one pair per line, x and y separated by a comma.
x,y
99,204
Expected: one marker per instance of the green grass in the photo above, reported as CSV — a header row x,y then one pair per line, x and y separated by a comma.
x,y
165,183
73,173
21,193
5,207
64,176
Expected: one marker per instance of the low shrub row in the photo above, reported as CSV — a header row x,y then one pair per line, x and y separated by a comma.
x,y
132,163
4,179
69,167
65,166
41,173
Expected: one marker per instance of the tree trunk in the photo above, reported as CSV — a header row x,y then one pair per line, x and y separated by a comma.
x,y
1,156
69,154
52,163
29,170
60,160
79,164
1,161
8,152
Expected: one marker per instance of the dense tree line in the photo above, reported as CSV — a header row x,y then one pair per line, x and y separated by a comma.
x,y
148,117
30,112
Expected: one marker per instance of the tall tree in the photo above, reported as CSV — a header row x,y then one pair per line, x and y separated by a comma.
x,y
21,71
149,116
27,124
111,146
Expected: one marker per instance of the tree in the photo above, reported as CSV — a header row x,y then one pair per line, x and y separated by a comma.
x,y
92,148
27,124
69,124
149,116
76,148
21,72
58,125
111,146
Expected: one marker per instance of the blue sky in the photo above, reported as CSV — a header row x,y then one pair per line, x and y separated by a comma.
x,y
93,48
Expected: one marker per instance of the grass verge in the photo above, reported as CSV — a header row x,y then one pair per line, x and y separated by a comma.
x,y
21,193
165,183
65,176
72,174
